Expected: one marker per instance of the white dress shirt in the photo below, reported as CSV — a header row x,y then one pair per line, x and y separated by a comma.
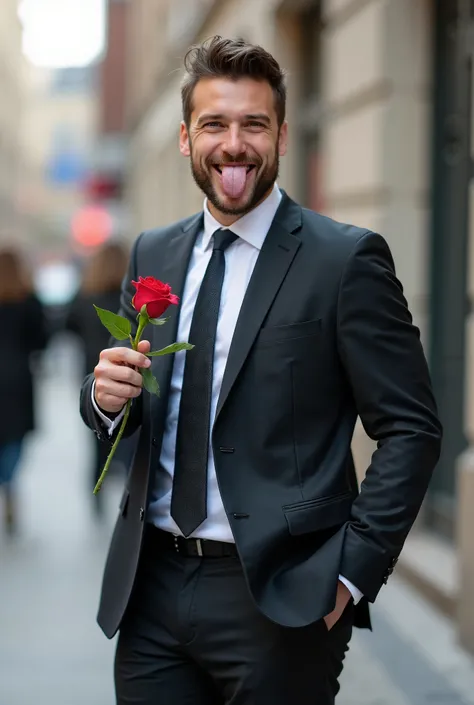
x,y
240,258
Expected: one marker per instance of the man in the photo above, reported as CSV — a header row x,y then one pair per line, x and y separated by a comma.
x,y
243,553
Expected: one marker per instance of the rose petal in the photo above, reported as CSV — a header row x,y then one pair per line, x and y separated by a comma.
x,y
154,294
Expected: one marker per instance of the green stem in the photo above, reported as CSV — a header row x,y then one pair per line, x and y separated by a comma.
x,y
114,448
142,322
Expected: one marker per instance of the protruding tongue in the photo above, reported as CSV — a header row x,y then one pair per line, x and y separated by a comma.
x,y
234,179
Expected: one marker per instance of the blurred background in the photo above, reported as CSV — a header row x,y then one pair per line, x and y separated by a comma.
x,y
381,114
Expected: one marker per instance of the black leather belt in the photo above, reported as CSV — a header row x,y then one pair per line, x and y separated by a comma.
x,y
191,547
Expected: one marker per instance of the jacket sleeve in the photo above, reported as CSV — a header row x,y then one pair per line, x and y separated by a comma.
x,y
386,369
89,416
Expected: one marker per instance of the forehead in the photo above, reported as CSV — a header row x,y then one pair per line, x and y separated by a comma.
x,y
232,98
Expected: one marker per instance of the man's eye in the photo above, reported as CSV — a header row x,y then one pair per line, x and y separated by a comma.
x,y
212,124
255,123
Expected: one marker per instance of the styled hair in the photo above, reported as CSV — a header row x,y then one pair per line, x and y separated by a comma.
x,y
232,59
15,279
105,269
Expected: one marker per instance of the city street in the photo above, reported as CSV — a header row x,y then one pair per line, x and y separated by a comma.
x,y
52,652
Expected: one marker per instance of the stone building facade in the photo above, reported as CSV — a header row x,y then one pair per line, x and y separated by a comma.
x,y
11,105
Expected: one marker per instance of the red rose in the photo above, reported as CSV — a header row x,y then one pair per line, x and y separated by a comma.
x,y
154,294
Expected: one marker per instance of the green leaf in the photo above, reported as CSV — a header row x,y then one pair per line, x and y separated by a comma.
x,y
150,382
118,326
174,348
159,321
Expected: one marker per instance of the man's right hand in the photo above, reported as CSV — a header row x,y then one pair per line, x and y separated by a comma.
x,y
116,380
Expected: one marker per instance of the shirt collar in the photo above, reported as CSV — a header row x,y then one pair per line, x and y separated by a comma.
x,y
251,227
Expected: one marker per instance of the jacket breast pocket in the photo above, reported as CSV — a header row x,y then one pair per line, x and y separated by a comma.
x,y
270,335
317,514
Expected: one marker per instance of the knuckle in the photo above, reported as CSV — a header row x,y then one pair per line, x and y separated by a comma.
x,y
100,387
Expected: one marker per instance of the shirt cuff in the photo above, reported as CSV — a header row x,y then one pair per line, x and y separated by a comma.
x,y
355,592
110,424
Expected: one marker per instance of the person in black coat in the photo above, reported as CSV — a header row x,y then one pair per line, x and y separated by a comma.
x,y
23,327
101,286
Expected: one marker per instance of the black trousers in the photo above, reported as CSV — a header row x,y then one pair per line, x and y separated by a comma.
x,y
193,636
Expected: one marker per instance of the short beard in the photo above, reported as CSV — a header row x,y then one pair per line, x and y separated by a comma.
x,y
263,184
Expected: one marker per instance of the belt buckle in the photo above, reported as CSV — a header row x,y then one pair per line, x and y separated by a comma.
x,y
199,547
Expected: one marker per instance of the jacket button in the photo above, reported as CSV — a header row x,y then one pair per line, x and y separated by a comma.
x,y
142,513
153,442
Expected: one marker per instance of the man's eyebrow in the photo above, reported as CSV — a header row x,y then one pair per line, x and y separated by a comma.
x,y
209,117
262,117
212,117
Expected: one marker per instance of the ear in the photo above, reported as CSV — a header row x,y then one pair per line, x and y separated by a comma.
x,y
283,139
184,147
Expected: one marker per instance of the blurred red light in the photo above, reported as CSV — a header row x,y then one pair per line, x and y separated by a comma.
x,y
91,226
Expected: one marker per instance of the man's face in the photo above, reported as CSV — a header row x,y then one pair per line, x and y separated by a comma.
x,y
234,143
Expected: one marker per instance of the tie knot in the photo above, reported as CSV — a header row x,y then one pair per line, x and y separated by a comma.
x,y
223,238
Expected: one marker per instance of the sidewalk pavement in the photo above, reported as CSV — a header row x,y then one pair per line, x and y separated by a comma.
x,y
51,650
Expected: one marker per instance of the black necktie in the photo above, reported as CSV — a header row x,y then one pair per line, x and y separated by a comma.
x,y
189,495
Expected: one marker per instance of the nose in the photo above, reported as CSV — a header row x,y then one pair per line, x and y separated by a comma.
x,y
234,144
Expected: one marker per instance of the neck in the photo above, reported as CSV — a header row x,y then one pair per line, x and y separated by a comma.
x,y
227,219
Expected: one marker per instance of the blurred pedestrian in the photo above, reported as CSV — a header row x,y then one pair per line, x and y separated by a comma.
x,y
23,327
101,284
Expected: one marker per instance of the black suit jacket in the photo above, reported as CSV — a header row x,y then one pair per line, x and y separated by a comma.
x,y
324,335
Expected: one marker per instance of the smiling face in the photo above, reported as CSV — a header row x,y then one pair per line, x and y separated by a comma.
x,y
234,143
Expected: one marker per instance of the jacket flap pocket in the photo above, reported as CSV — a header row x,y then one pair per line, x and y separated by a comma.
x,y
276,334
124,502
317,514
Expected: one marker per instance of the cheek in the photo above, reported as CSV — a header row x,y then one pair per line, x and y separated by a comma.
x,y
199,157
204,147
264,147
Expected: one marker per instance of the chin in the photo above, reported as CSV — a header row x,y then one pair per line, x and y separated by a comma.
x,y
234,206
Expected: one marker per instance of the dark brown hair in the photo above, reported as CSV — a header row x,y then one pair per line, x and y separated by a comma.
x,y
233,59
15,279
105,269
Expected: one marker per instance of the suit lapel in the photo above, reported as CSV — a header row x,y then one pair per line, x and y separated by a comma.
x,y
277,254
173,271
